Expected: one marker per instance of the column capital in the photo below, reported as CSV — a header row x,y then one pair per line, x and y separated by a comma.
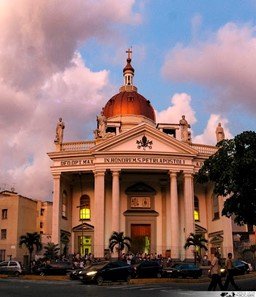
x,y
99,172
115,172
188,174
56,175
173,173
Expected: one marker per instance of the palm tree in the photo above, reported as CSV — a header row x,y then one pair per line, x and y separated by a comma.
x,y
31,240
118,239
51,250
198,241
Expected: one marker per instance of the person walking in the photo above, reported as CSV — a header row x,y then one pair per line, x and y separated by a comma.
x,y
215,274
229,265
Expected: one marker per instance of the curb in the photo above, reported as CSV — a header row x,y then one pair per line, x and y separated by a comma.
x,y
134,281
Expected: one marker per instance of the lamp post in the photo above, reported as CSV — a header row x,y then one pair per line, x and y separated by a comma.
x,y
82,217
80,207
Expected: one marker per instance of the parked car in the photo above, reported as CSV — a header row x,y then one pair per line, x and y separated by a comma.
x,y
60,268
106,271
147,269
183,270
240,267
11,267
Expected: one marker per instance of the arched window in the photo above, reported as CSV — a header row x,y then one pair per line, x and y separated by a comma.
x,y
64,204
85,208
196,209
215,207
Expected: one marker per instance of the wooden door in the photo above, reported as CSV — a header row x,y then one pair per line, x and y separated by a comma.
x,y
141,236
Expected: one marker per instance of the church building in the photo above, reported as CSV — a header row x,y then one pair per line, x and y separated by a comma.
x,y
136,176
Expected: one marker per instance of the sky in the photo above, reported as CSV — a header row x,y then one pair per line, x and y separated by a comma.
x,y
62,58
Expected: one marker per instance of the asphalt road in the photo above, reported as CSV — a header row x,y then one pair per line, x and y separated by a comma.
x,y
12,287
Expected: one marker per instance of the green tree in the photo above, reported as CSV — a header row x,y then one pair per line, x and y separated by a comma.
x,y
198,241
117,239
31,241
51,250
232,169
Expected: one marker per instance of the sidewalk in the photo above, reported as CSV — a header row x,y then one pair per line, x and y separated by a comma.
x,y
133,281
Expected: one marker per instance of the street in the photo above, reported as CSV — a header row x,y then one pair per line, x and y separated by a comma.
x,y
12,287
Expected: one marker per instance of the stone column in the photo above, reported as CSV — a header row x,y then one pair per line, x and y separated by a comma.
x,y
189,211
227,246
174,216
115,201
99,213
164,211
56,209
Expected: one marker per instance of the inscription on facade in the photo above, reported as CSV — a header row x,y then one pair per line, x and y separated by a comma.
x,y
145,160
125,160
76,162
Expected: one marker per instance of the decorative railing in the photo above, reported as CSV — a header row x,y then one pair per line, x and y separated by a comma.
x,y
77,146
86,145
204,149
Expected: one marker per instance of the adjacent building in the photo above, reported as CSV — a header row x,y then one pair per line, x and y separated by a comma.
x,y
19,215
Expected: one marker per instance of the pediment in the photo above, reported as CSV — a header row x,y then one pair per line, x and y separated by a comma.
x,y
140,188
83,227
144,138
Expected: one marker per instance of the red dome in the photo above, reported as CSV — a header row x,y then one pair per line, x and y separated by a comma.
x,y
129,103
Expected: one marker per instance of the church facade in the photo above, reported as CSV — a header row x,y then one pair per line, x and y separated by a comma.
x,y
136,176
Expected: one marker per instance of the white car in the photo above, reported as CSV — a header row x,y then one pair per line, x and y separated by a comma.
x,y
11,267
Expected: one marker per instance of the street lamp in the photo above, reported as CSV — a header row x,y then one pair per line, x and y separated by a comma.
x,y
81,214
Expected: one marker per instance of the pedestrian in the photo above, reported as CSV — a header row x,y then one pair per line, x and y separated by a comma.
x,y
229,265
215,273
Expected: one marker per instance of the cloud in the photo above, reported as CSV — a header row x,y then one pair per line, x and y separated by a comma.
x,y
180,105
225,64
43,77
208,136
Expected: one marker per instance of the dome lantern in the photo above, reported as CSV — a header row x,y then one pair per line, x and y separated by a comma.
x,y
128,73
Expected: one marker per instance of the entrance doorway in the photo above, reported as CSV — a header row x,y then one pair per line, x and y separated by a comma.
x,y
141,238
85,243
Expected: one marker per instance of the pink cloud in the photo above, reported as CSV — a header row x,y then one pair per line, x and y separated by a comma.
x,y
43,77
225,64
180,105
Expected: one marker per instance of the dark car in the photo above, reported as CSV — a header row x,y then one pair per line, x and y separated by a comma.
x,y
106,271
240,267
147,269
60,268
183,270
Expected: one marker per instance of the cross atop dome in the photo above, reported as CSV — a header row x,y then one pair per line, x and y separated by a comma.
x,y
129,52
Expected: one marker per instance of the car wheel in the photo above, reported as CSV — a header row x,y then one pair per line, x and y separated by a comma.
x,y
42,273
158,275
99,280
128,279
16,273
